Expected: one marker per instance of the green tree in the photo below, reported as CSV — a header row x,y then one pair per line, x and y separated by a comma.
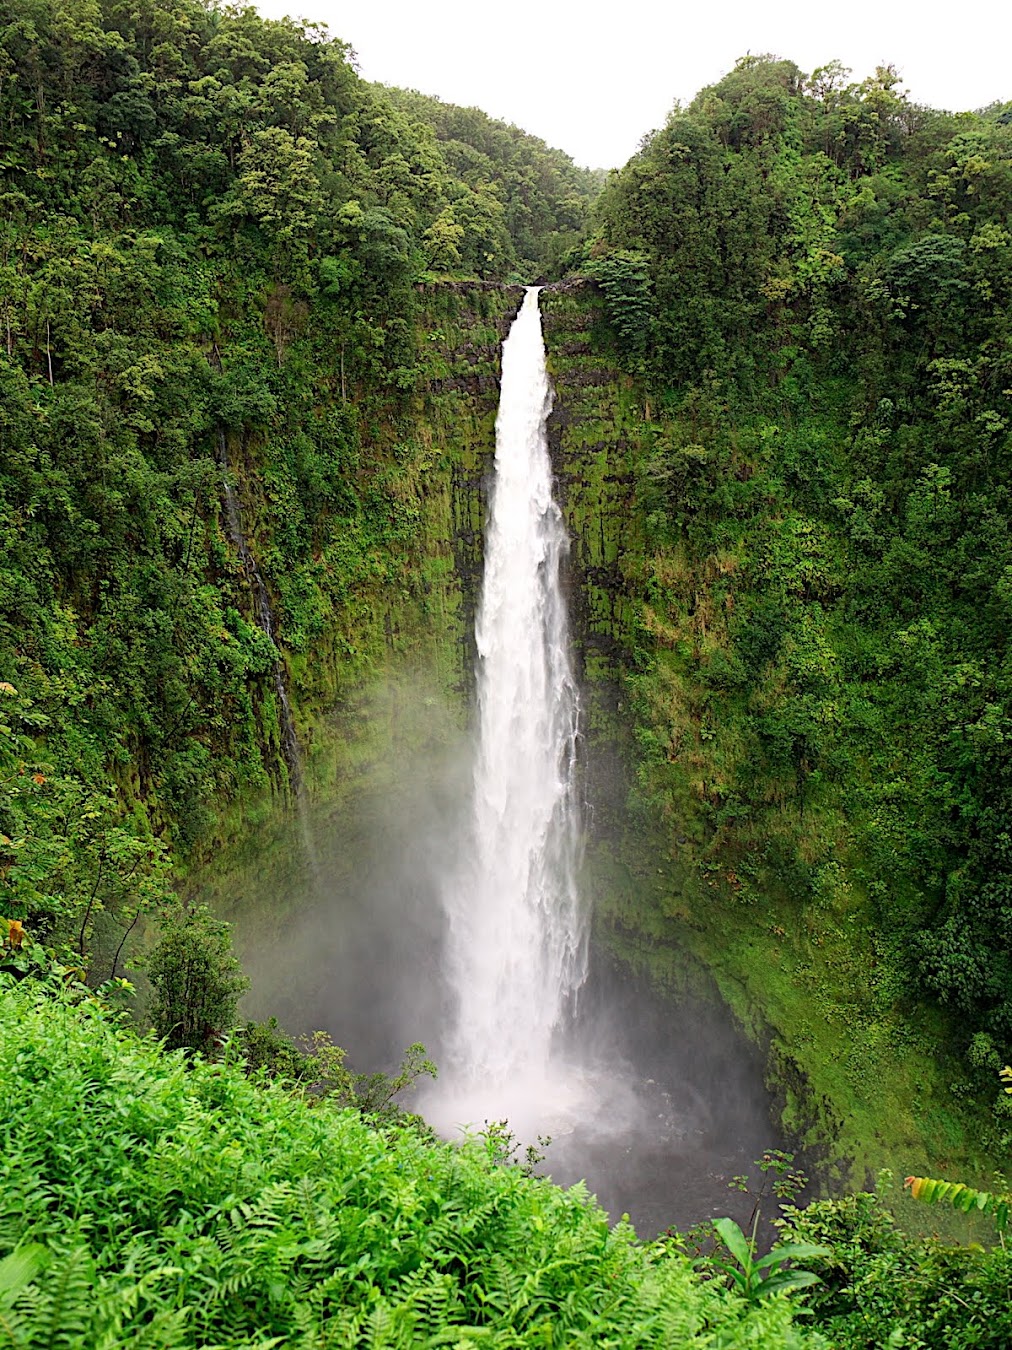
x,y
197,981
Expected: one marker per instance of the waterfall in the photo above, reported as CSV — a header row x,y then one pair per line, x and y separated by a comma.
x,y
264,616
517,932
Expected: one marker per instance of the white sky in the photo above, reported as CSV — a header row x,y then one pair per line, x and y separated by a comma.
x,y
592,79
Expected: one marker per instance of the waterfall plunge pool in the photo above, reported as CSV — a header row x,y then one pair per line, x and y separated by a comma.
x,y
656,1102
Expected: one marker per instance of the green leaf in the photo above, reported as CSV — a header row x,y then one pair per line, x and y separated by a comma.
x,y
793,1251
19,1269
733,1271
734,1240
783,1280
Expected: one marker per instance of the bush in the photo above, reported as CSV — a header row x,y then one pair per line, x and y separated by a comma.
x,y
197,981
881,1287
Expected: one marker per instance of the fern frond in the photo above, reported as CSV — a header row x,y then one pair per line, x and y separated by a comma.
x,y
65,1309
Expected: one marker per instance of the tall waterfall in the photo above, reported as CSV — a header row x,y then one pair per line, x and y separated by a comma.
x,y
517,945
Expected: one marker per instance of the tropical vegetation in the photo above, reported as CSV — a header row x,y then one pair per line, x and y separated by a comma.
x,y
241,292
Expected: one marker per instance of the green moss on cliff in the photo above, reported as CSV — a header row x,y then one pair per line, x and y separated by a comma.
x,y
770,902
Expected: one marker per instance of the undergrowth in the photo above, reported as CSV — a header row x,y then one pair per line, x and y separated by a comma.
x,y
180,1203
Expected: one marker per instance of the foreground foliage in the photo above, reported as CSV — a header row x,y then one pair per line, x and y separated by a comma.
x,y
158,1200
180,1204
879,1287
963,1198
758,1277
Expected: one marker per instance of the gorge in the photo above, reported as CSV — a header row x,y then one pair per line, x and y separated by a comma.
x,y
252,322
446,904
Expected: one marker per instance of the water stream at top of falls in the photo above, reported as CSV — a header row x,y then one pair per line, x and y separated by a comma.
x,y
517,930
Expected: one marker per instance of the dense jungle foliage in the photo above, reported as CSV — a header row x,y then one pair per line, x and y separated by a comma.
x,y
210,1210
157,1200
545,195
211,240
813,277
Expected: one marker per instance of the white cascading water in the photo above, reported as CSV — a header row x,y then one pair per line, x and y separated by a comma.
x,y
517,940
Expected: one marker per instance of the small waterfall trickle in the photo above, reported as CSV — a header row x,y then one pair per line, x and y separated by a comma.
x,y
264,615
517,930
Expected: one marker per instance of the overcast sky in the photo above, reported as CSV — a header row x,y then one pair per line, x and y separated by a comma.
x,y
594,79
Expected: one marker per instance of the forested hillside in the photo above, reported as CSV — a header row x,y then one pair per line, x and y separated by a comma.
x,y
812,278
212,239
544,195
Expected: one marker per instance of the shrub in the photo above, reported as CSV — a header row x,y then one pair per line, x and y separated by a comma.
x,y
197,981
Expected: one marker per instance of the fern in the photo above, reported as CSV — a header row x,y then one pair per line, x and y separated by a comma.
x,y
17,1273
241,1217
65,1312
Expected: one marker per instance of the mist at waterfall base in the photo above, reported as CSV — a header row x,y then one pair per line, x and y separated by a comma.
x,y
456,915
673,1102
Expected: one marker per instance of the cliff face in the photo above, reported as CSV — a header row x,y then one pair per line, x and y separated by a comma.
x,y
685,891
595,437
410,616
386,689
